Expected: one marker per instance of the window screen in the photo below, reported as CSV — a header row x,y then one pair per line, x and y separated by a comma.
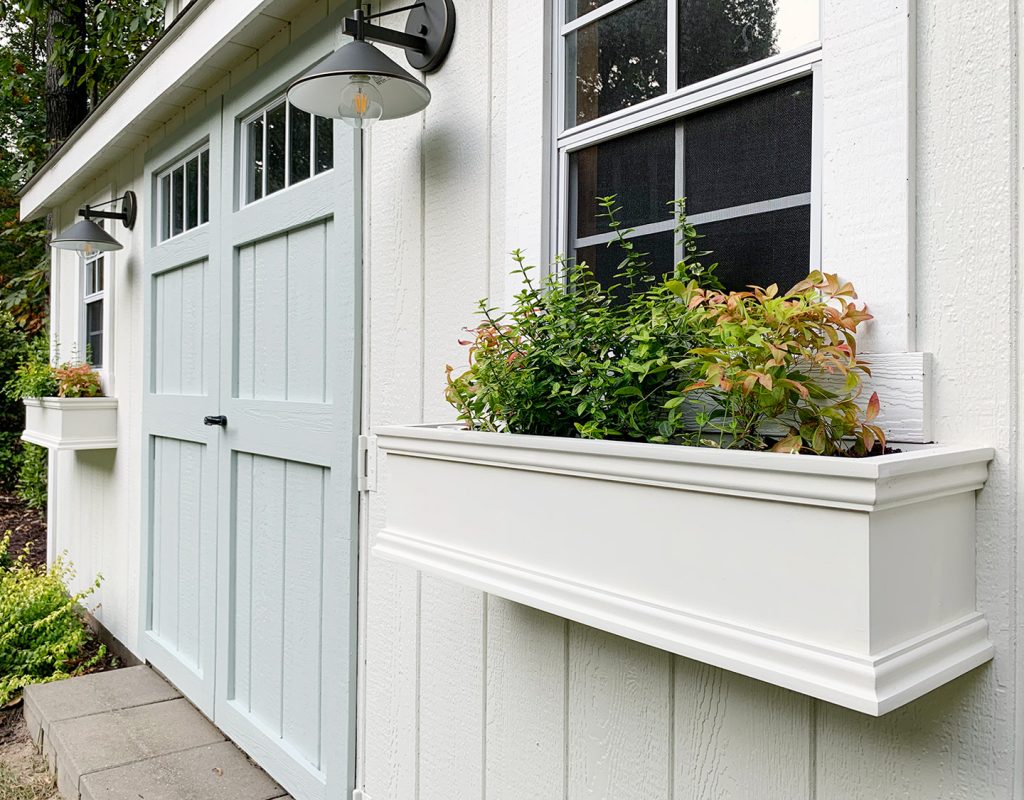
x,y
744,168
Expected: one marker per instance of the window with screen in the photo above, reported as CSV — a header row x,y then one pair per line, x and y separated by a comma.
x,y
282,146
183,195
711,100
93,297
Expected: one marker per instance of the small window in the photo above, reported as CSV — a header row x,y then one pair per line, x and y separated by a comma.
x,y
282,146
93,295
638,122
183,195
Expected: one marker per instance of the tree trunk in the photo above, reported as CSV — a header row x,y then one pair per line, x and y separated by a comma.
x,y
66,105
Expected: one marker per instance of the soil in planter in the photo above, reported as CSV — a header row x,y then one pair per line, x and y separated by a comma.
x,y
27,527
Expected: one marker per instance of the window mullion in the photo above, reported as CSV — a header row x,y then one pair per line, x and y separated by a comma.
x,y
287,144
266,150
680,179
672,47
595,15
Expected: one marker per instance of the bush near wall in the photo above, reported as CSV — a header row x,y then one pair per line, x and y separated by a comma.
x,y
42,636
13,348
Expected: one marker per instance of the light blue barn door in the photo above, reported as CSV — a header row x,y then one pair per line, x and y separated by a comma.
x,y
251,527
180,495
290,296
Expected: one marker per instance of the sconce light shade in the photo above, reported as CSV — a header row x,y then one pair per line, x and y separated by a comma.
x,y
359,84
86,237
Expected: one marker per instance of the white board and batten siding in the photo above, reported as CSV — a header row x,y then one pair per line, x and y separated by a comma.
x,y
470,696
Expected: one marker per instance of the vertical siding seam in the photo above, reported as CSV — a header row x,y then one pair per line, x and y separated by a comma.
x,y
252,518
320,627
488,178
284,579
287,312
177,558
419,675
483,705
673,660
1016,33
565,709
812,750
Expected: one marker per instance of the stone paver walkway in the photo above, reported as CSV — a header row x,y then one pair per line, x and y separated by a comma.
x,y
130,735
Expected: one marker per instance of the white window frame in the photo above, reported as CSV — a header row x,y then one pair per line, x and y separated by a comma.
x,y
88,298
246,151
168,171
675,103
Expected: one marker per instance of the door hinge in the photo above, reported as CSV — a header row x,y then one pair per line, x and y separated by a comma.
x,y
368,463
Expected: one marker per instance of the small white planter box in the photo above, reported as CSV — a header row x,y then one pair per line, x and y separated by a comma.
x,y
851,580
71,423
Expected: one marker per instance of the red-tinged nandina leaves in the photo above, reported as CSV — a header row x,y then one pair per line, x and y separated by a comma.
x,y
873,407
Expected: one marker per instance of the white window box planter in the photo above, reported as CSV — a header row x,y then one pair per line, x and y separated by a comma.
x,y
71,423
851,580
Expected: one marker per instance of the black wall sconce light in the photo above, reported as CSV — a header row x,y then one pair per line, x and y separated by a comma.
x,y
360,84
86,237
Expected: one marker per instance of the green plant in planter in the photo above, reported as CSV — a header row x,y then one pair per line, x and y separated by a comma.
x,y
669,356
36,377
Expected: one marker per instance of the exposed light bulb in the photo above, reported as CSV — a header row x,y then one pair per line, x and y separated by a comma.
x,y
88,249
361,103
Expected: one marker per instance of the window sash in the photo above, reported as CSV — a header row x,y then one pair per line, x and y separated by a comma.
x,y
247,152
93,293
674,103
167,194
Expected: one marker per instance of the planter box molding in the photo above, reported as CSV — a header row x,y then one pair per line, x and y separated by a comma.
x,y
71,423
850,580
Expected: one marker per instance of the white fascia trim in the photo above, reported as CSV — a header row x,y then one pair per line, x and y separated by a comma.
x,y
182,50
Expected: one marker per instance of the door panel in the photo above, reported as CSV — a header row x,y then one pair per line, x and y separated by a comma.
x,y
182,525
281,318
277,599
252,527
180,499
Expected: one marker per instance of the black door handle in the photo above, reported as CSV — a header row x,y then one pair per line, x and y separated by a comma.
x,y
220,419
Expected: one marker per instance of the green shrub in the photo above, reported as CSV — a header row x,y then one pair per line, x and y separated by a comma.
x,y
12,413
33,376
667,355
32,475
42,636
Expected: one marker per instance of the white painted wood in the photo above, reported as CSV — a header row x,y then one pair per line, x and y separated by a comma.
x,y
71,423
868,118
526,657
736,738
875,613
619,718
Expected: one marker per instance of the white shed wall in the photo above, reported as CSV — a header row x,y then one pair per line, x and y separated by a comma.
x,y
468,696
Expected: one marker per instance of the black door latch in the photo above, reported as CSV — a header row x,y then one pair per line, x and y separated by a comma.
x,y
220,419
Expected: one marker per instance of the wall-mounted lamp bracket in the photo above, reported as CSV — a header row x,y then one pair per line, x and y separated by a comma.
x,y
428,34
127,214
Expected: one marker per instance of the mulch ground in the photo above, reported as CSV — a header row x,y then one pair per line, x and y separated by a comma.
x,y
27,527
